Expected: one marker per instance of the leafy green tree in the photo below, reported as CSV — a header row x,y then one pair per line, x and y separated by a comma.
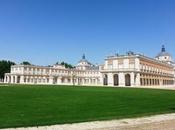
x,y
57,63
67,65
25,63
5,67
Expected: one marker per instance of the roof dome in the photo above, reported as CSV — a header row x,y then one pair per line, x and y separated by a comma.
x,y
163,52
84,64
83,59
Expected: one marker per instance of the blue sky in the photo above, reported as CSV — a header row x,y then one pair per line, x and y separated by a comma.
x,y
46,31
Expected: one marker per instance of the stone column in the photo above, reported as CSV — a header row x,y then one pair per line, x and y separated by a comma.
x,y
39,80
121,79
50,71
26,80
12,79
132,79
83,81
50,80
66,80
35,80
21,79
74,81
110,79
16,78
138,79
5,79
79,81
71,80
29,80
32,79
8,79
86,81
96,81
92,81
101,79
59,80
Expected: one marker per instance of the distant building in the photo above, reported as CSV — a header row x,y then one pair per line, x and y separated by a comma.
x,y
84,74
119,70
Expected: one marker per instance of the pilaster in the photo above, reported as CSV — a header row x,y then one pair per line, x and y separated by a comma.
x,y
110,79
50,80
138,79
22,79
12,79
132,79
121,79
59,80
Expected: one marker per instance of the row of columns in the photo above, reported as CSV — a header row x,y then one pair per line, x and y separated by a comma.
x,y
11,79
168,82
155,82
50,80
149,82
86,81
134,79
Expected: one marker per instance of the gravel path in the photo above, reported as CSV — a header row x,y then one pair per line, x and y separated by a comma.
x,y
162,125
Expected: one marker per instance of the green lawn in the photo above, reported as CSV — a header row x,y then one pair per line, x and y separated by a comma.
x,y
48,105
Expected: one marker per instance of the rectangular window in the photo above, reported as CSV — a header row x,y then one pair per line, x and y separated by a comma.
x,y
120,62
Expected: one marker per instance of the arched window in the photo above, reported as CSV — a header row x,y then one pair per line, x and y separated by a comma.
x,y
105,79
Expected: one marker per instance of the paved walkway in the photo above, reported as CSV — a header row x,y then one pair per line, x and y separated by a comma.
x,y
162,125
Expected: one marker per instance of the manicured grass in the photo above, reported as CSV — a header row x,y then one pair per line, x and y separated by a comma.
x,y
47,105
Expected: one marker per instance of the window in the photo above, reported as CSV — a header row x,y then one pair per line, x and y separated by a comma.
x,y
109,66
110,62
131,61
120,62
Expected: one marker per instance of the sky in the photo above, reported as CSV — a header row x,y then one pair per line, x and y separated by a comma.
x,y
46,31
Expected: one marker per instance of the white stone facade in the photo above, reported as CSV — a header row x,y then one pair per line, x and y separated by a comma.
x,y
57,74
118,70
136,70
28,74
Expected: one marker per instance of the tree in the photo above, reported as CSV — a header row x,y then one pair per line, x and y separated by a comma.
x,y
25,63
67,65
5,67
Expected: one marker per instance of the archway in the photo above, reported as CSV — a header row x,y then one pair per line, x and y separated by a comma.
x,y
55,80
116,80
62,80
127,80
105,79
18,79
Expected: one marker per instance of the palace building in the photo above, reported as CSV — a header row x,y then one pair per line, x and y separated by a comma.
x,y
131,69
85,73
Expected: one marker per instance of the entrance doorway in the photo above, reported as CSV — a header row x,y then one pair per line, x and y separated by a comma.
x,y
127,80
116,80
105,79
